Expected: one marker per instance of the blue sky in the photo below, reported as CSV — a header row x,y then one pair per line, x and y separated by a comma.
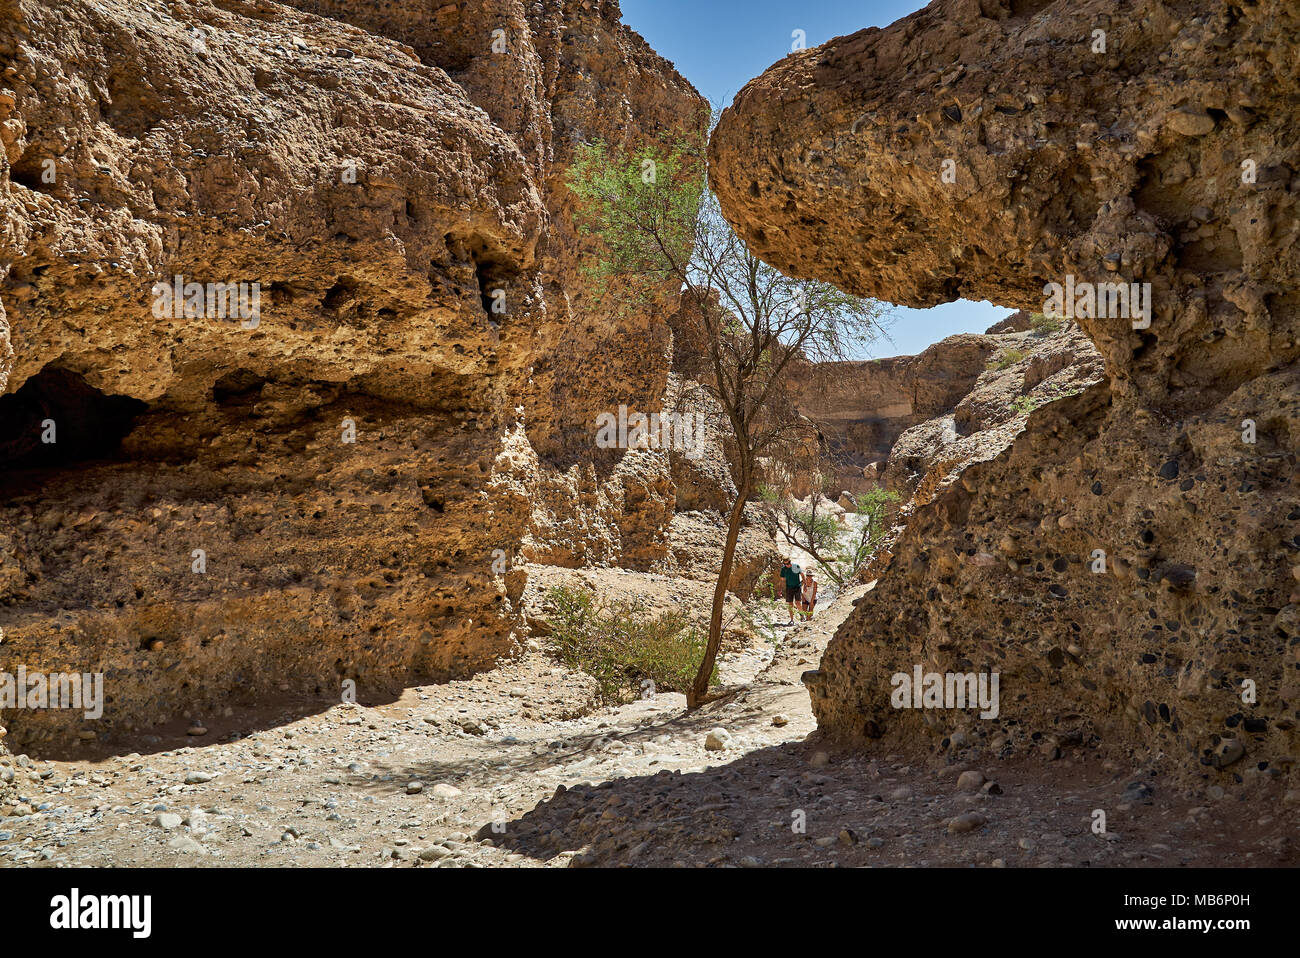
x,y
720,45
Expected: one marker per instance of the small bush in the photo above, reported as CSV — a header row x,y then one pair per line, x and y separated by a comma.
x,y
1026,404
1006,358
1044,325
875,504
840,553
619,647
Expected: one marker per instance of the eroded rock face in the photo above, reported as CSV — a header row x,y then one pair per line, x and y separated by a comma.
x,y
1065,162
863,407
386,178
696,556
555,74
1169,159
1024,371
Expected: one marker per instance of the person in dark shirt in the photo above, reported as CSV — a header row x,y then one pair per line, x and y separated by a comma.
x,y
793,587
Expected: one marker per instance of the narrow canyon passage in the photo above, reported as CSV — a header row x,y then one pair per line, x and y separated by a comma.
x,y
337,340
1127,561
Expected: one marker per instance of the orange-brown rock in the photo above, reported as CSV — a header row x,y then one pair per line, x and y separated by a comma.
x,y
394,185
981,149
985,149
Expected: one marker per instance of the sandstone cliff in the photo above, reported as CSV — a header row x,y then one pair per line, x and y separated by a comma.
x,y
863,407
987,148
392,176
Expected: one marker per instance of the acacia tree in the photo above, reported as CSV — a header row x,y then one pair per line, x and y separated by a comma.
x,y
660,224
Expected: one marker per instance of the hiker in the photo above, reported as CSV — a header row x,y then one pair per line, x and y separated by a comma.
x,y
793,586
809,595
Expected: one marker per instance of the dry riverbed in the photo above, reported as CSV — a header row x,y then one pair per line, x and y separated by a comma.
x,y
517,767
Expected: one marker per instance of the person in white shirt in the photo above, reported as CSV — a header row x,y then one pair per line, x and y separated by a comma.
x,y
809,603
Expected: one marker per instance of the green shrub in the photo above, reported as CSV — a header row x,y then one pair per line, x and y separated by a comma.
x,y
1043,324
875,505
840,553
1026,404
1006,358
621,648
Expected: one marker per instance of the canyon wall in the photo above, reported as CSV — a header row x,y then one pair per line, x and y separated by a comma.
x,y
345,486
862,407
987,148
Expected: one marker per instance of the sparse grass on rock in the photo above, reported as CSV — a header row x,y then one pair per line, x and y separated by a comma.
x,y
1044,325
1006,358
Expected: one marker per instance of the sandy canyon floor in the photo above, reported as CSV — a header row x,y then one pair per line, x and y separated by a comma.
x,y
519,768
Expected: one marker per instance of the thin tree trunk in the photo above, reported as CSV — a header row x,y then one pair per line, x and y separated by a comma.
x,y
700,688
